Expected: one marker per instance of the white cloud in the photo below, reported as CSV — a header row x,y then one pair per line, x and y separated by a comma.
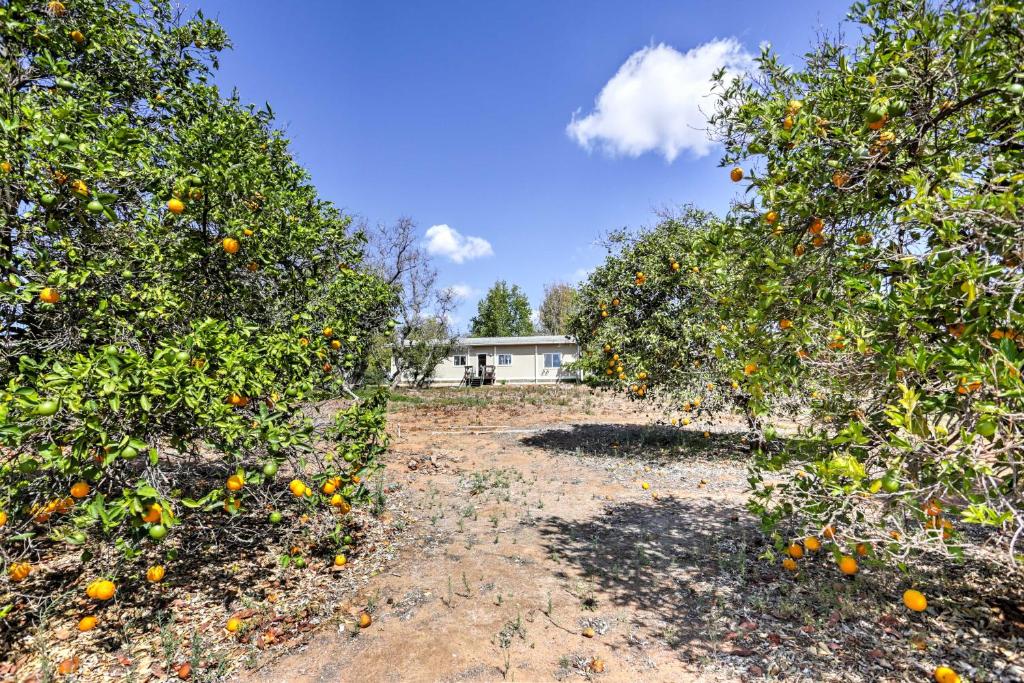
x,y
462,291
653,103
581,274
446,241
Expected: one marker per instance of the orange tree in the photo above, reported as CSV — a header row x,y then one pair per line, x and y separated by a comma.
x,y
654,318
873,278
173,291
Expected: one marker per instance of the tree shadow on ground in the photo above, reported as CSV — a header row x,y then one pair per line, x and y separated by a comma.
x,y
657,442
692,574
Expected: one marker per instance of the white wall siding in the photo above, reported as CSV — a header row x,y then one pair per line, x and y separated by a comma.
x,y
527,363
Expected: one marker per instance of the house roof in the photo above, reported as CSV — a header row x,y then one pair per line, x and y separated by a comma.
x,y
511,341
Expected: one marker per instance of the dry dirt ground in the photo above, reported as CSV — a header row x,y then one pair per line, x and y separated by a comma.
x,y
529,549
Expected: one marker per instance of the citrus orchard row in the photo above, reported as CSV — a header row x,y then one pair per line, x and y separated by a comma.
x,y
175,296
866,285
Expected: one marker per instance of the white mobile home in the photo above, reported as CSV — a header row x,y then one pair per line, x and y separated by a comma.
x,y
537,359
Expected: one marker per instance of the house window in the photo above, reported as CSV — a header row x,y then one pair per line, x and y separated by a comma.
x,y
459,360
552,360
504,359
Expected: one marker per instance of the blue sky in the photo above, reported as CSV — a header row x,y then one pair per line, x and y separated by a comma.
x,y
460,114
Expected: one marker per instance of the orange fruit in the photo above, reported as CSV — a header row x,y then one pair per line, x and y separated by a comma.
x,y
248,232
335,344
3,518
252,267
839,179
771,217
79,188
338,501
364,620
340,560
863,239
795,550
750,368
799,250
101,589
789,563
876,125
303,341
816,227
829,531
863,549
233,624
785,324
49,295
19,571
69,666
848,565
933,508
155,574
77,36
184,671
154,514
87,623
80,490
943,674
175,206
915,600
328,331
235,482
812,543
56,8
230,245
736,174
297,488
6,167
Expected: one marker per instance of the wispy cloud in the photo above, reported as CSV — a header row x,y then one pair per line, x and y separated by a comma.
x,y
654,102
581,274
462,291
443,240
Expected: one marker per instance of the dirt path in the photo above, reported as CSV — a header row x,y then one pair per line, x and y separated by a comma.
x,y
533,551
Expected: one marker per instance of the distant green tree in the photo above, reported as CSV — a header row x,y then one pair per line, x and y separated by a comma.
x,y
504,312
559,299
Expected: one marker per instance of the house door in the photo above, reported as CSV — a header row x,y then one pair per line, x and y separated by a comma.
x,y
481,362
